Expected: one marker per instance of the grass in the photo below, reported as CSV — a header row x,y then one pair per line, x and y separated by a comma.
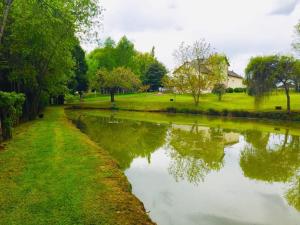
x,y
51,173
155,101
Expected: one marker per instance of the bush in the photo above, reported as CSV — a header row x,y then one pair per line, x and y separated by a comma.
x,y
10,110
240,90
229,90
69,98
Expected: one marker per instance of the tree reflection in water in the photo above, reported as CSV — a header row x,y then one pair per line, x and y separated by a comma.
x,y
273,158
125,140
195,151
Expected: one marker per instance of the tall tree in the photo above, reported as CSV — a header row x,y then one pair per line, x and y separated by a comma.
x,y
79,83
154,75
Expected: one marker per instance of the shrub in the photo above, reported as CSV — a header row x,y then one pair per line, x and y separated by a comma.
x,y
69,98
239,90
229,90
10,111
219,90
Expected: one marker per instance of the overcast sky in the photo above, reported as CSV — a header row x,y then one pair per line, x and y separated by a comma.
x,y
238,28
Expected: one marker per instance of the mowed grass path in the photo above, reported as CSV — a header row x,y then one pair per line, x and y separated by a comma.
x,y
155,101
51,173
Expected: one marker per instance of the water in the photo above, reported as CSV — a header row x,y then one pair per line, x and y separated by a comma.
x,y
197,170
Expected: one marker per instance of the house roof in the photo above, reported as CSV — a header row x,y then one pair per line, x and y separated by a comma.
x,y
234,74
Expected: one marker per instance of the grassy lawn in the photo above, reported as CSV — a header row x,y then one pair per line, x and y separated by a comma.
x,y
51,173
154,101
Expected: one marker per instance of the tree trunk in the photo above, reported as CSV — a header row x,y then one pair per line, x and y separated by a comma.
x,y
5,16
112,96
196,99
220,97
288,98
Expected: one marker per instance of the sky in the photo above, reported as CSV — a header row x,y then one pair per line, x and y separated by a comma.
x,y
238,28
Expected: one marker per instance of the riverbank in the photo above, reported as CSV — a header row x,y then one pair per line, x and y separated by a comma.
x,y
233,105
51,173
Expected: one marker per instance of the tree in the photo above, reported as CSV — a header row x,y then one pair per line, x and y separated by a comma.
x,y
118,79
79,83
122,54
266,73
154,75
7,4
220,90
38,41
197,71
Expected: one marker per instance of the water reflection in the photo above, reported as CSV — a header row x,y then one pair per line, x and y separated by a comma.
x,y
197,150
199,158
124,140
274,158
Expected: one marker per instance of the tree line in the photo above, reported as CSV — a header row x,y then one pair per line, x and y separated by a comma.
x,y
120,68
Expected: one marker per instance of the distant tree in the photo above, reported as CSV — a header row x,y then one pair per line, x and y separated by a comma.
x,y
154,75
124,53
265,73
118,79
219,89
79,83
197,71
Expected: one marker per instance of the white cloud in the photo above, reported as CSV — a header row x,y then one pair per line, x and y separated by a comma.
x,y
238,28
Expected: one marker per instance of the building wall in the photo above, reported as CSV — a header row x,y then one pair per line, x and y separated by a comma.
x,y
234,82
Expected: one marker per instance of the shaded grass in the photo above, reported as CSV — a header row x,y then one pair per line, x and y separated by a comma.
x,y
51,173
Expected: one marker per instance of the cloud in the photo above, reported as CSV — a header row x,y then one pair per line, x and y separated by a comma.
x,y
240,29
140,16
286,8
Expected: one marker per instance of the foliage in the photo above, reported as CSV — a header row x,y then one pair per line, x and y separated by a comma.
x,y
199,70
219,89
79,83
154,75
123,54
229,90
10,111
266,73
38,42
118,79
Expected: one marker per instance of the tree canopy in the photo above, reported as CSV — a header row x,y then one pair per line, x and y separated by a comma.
x,y
119,78
123,54
37,45
266,73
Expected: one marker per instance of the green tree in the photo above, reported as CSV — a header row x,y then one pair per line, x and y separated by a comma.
x,y
265,73
219,90
154,75
199,69
37,48
118,79
79,83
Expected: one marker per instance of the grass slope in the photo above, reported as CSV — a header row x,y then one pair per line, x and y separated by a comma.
x,y
154,101
51,173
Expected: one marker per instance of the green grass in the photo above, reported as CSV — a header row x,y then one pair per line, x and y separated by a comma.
x,y
51,173
154,101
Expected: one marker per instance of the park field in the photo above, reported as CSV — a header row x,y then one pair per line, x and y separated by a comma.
x,y
208,102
